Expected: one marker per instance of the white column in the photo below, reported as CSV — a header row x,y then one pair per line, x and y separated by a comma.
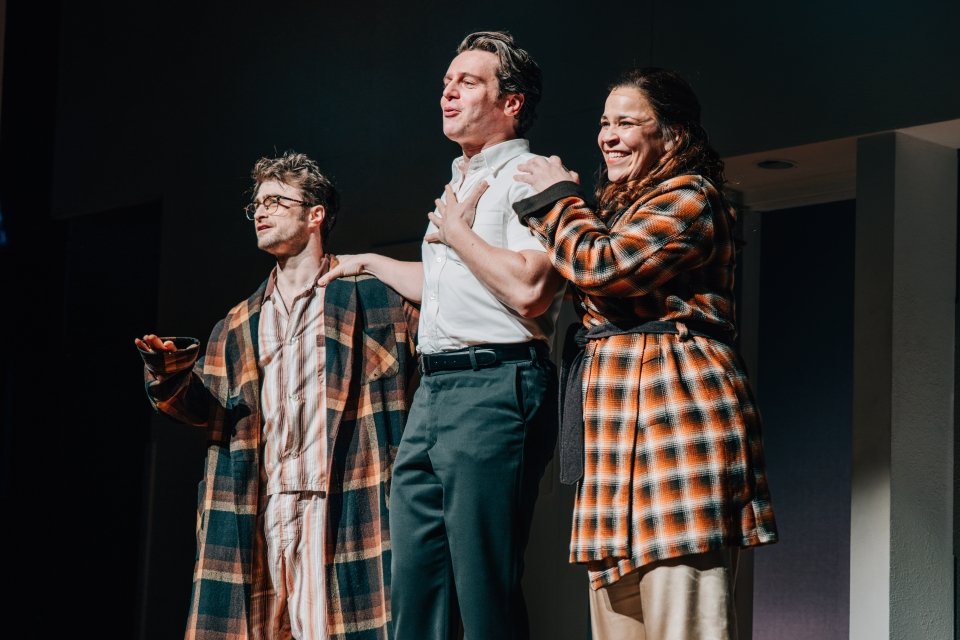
x,y
901,556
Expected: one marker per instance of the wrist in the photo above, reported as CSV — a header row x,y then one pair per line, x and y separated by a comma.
x,y
456,230
367,264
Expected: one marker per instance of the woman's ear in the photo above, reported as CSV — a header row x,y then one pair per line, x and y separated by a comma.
x,y
672,139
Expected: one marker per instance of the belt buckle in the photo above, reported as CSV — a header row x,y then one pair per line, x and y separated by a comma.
x,y
485,357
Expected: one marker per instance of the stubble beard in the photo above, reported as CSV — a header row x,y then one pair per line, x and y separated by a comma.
x,y
283,242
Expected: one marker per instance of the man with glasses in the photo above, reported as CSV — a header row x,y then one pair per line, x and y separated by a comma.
x,y
483,423
304,390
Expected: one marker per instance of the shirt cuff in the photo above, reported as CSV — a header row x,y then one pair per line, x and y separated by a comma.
x,y
167,362
538,205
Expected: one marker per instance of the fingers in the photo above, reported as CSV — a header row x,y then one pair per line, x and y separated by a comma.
x,y
450,212
539,167
451,196
529,166
451,199
151,343
347,265
432,238
557,162
331,275
477,192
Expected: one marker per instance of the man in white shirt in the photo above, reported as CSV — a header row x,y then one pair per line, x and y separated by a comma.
x,y
482,426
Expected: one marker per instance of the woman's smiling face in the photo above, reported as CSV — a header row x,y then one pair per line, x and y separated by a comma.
x,y
630,137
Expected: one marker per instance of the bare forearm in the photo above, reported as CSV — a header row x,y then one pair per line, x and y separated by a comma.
x,y
523,280
406,278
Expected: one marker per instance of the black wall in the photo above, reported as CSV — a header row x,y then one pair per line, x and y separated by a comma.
x,y
75,429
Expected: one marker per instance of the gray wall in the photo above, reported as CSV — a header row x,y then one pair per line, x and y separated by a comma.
x,y
805,390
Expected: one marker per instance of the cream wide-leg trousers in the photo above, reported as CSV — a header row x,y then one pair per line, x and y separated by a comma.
x,y
685,598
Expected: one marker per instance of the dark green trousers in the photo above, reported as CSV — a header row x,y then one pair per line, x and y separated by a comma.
x,y
464,485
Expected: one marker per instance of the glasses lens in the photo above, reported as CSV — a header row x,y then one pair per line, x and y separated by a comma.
x,y
250,210
270,203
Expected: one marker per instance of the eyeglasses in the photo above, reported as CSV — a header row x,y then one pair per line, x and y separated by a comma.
x,y
270,204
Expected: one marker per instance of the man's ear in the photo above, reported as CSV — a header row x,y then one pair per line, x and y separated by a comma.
x,y
316,215
512,104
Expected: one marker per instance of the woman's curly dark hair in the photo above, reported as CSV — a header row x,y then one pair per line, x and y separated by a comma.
x,y
677,110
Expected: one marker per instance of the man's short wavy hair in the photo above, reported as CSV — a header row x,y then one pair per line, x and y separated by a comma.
x,y
517,72
298,170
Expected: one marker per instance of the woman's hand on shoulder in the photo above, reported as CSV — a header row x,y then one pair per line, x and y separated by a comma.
x,y
542,173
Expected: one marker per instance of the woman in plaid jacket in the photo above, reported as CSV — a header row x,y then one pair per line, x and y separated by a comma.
x,y
670,469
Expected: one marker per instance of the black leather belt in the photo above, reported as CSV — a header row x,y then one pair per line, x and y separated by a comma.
x,y
482,356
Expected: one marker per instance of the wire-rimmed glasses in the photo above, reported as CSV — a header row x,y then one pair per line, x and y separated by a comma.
x,y
270,204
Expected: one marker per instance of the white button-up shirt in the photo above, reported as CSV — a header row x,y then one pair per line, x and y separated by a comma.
x,y
457,311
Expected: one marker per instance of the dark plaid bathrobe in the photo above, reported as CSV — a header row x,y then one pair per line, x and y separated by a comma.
x,y
370,365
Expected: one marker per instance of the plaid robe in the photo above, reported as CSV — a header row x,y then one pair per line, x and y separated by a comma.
x,y
370,335
673,453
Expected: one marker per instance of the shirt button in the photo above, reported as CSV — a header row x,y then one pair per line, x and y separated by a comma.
x,y
433,296
439,258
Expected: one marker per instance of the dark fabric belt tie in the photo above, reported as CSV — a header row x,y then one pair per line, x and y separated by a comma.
x,y
482,356
571,381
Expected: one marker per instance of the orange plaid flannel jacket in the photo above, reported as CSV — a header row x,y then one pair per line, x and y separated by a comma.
x,y
673,453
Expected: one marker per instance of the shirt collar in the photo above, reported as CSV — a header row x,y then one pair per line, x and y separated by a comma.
x,y
326,263
491,158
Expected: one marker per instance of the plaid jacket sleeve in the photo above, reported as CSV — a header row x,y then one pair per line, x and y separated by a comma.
x,y
411,313
173,386
667,231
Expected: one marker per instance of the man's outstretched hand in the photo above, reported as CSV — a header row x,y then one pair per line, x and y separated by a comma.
x,y
151,343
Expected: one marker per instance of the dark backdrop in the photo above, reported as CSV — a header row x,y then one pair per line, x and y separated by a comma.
x,y
127,132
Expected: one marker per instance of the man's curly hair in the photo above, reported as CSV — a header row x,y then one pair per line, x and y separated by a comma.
x,y
298,170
